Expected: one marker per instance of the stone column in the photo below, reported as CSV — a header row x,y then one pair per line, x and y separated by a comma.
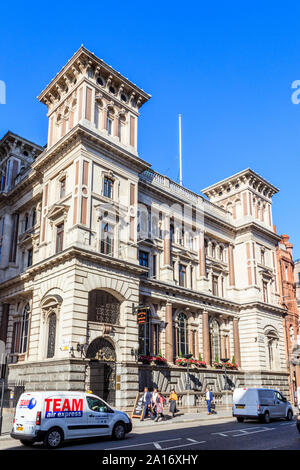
x,y
169,333
205,338
236,341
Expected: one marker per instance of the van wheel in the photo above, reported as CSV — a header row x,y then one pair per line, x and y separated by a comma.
x,y
240,419
118,431
53,438
289,415
267,417
27,443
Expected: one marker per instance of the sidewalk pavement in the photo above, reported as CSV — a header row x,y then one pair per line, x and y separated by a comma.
x,y
184,418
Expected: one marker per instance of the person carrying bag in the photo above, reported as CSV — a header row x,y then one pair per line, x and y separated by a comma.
x,y
173,402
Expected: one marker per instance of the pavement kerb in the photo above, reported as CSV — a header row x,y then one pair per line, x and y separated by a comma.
x,y
138,424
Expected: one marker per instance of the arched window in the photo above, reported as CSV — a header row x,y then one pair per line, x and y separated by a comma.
x,y
182,335
215,340
51,335
33,217
26,222
106,239
213,250
271,341
103,307
292,336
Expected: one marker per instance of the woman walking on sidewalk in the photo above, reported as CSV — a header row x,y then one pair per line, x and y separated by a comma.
x,y
159,407
173,402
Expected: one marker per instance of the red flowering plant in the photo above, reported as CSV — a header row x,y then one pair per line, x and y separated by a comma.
x,y
145,359
200,363
231,365
181,361
217,365
158,359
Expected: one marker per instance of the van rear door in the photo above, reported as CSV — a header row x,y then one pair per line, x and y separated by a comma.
x,y
26,413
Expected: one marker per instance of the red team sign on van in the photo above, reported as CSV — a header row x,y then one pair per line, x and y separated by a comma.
x,y
61,408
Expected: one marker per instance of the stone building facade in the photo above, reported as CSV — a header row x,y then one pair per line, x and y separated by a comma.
x,y
287,286
91,236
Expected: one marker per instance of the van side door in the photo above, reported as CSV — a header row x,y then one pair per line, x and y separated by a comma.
x,y
280,405
99,416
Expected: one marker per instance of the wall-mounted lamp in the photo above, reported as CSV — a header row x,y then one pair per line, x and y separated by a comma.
x,y
135,351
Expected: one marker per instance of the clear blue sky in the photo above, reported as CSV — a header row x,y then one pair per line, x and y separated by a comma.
x,y
227,67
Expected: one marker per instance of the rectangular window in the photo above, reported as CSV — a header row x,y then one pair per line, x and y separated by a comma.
x,y
14,238
265,291
144,258
29,257
119,129
59,238
215,285
154,265
109,126
155,327
108,187
262,257
182,275
62,188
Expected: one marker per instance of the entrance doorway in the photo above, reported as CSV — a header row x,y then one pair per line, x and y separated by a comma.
x,y
102,369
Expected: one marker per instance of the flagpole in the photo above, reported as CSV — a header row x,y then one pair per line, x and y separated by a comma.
x,y
180,153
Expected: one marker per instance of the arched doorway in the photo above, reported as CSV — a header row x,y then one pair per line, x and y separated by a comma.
x,y
102,369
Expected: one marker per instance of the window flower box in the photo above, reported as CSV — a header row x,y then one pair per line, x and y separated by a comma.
x,y
217,365
200,363
181,361
145,359
230,365
159,360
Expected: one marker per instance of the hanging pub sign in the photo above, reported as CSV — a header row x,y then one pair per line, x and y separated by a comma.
x,y
142,314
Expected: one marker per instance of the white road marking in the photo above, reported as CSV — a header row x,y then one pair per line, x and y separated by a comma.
x,y
184,445
191,440
157,446
243,432
147,443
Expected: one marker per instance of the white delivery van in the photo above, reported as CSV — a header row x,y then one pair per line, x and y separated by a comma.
x,y
53,417
298,416
260,403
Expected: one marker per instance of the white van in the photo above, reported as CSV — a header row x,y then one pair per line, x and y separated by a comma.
x,y
53,417
260,403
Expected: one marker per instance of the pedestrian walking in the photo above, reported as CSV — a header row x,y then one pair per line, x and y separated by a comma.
x,y
153,401
173,402
146,404
159,407
209,398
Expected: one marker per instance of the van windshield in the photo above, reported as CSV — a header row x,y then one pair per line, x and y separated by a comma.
x,y
95,404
